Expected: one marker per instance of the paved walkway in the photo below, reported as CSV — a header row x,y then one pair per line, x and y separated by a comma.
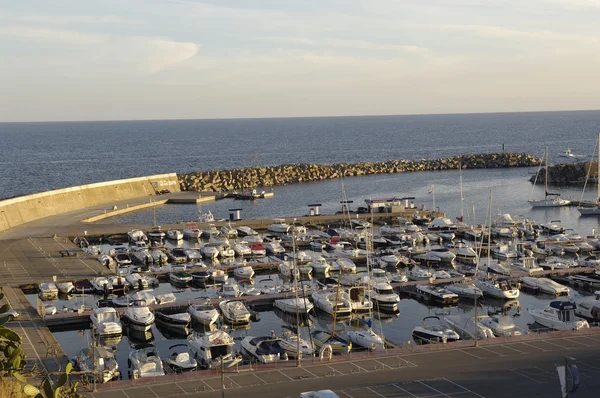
x,y
468,372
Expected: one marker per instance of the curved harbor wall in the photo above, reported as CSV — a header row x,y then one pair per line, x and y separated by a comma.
x,y
23,209
567,173
229,180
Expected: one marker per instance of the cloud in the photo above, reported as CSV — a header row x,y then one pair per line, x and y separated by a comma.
x,y
346,44
98,51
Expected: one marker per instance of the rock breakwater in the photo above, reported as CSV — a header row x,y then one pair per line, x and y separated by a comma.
x,y
237,179
567,173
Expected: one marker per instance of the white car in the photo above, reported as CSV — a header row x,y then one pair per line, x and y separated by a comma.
x,y
319,394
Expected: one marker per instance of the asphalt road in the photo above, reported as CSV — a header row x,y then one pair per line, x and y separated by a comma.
x,y
523,369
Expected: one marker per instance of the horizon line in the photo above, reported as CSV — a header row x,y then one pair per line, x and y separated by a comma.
x,y
298,117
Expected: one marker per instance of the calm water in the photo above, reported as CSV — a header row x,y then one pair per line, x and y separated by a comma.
x,y
42,156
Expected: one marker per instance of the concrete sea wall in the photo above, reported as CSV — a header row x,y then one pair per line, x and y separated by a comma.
x,y
567,173
23,209
229,180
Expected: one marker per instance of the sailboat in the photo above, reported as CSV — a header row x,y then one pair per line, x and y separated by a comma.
x,y
550,199
592,209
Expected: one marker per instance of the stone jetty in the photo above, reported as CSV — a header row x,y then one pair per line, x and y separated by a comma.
x,y
567,173
232,180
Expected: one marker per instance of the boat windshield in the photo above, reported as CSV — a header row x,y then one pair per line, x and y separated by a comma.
x,y
385,291
217,351
107,317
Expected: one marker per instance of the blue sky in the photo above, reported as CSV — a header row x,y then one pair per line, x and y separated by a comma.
x,y
151,59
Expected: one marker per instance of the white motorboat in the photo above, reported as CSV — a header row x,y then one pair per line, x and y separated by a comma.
x,y
165,298
274,248
345,265
231,289
242,249
136,235
499,289
174,234
320,266
101,285
331,302
559,315
442,274
235,312
495,267
465,290
107,261
145,362
434,332
65,287
438,294
211,252
287,270
191,233
504,252
142,298
138,318
338,344
589,261
218,275
264,349
180,278
528,265
142,256
243,272
358,223
358,298
589,308
501,325
229,231
465,254
299,305
47,291
441,224
100,362
226,251
169,318
365,337
159,257
123,259
290,342
203,313
545,285
443,253
213,346
179,359
419,274
137,281
553,227
279,226
246,231
383,296
106,322
210,232
388,260
258,249
156,234
469,327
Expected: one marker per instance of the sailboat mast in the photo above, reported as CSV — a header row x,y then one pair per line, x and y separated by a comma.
x,y
462,214
295,275
598,177
546,179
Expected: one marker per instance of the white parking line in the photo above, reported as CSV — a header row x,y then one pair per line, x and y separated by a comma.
x,y
345,393
545,371
383,364
473,355
572,339
493,352
464,388
363,369
310,373
373,391
334,369
557,345
537,348
588,365
285,375
527,377
438,391
514,349
233,382
255,375
185,392
206,384
123,391
408,392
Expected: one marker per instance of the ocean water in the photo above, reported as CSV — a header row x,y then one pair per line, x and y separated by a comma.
x,y
38,157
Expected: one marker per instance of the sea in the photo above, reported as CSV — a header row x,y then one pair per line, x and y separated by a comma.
x,y
42,156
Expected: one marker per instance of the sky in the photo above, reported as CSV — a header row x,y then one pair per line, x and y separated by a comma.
x,y
193,59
